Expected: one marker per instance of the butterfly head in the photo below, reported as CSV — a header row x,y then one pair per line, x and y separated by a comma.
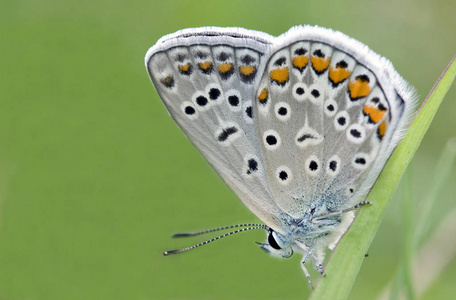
x,y
276,244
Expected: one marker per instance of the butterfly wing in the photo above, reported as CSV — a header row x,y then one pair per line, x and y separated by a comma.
x,y
330,112
207,79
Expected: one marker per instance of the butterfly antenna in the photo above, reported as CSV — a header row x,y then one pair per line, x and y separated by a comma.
x,y
177,251
187,234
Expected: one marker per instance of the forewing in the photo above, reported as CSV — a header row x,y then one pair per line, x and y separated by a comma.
x,y
207,79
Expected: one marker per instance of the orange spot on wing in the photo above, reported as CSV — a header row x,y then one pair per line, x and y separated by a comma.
x,y
338,74
184,68
205,65
263,95
247,70
319,63
382,128
358,88
279,75
223,68
300,61
375,114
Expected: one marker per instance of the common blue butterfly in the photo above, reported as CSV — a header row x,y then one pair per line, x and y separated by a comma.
x,y
299,126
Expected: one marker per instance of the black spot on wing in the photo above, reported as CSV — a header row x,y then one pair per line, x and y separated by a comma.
x,y
252,165
306,136
189,110
318,53
249,112
283,175
271,140
300,51
280,61
233,100
223,56
247,60
333,165
225,134
214,93
313,165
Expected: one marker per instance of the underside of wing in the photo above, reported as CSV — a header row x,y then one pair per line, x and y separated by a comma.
x,y
330,112
207,80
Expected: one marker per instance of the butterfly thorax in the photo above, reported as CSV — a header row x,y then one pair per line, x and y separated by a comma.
x,y
314,230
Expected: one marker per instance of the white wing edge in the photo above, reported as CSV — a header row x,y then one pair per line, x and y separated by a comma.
x,y
232,35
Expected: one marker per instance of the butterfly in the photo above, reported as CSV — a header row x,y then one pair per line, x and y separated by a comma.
x,y
299,126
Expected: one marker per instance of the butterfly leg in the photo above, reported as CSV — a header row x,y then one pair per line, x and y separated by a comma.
x,y
341,211
318,264
306,272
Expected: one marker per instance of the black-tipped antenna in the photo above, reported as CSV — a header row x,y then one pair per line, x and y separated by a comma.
x,y
177,251
187,234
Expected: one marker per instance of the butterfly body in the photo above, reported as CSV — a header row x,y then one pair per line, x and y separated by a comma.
x,y
316,235
299,126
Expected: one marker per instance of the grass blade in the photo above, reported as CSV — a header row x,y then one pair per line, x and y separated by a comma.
x,y
346,260
438,249
408,234
441,173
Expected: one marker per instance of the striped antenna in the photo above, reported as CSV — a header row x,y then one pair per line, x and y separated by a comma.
x,y
177,251
187,234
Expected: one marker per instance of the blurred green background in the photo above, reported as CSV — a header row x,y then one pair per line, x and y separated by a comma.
x,y
95,176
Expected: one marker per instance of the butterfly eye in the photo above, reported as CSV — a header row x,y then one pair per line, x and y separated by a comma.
x,y
271,240
312,211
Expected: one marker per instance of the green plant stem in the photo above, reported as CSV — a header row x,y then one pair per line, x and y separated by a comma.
x,y
345,262
440,176
408,239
